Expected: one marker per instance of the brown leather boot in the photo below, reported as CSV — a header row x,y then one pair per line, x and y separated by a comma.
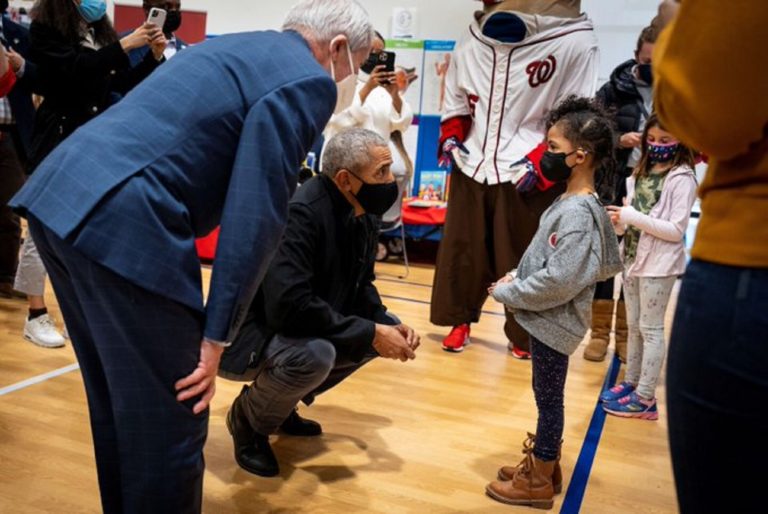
x,y
621,331
602,319
531,485
508,472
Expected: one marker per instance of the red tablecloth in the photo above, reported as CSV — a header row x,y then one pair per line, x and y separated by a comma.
x,y
423,215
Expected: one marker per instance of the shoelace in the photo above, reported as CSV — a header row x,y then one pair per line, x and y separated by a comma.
x,y
618,388
47,322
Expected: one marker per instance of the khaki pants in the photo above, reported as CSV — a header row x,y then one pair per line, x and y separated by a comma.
x,y
487,230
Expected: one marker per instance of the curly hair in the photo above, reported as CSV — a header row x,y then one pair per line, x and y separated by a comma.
x,y
587,124
62,15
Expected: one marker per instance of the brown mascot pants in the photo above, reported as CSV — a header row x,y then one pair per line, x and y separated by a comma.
x,y
487,230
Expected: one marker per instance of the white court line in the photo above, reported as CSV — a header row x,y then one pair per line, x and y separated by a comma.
x,y
39,378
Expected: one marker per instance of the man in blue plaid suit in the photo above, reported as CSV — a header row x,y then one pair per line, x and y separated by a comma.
x,y
115,211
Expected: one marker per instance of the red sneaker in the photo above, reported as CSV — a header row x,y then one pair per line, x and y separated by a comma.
x,y
457,339
517,353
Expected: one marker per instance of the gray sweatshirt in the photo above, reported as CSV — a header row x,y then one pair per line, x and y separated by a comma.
x,y
574,249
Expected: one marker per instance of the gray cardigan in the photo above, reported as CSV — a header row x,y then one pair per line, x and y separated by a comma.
x,y
574,248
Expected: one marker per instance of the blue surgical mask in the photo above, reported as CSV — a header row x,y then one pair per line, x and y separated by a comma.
x,y
92,10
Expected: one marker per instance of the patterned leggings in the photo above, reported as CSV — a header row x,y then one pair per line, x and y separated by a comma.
x,y
550,369
646,301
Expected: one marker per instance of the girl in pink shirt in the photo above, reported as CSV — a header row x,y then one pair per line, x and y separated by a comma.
x,y
654,219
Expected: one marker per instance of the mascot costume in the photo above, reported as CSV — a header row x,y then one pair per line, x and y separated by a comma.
x,y
517,61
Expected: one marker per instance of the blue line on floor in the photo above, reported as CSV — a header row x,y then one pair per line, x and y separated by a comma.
x,y
581,471
39,378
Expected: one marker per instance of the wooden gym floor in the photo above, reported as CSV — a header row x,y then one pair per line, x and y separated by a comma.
x,y
420,437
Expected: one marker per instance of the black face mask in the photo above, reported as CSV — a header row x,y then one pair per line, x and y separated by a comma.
x,y
376,199
645,73
554,168
172,22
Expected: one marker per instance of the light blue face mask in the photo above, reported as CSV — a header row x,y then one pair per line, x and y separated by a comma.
x,y
92,10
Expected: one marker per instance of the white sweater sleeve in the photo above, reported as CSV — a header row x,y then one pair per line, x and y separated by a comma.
x,y
402,120
672,229
356,115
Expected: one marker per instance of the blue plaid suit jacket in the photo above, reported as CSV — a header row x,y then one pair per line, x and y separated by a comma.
x,y
214,136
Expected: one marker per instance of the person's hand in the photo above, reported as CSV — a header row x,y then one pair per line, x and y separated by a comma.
x,y
411,337
615,212
15,60
202,381
506,279
141,37
391,344
631,140
5,61
524,175
380,77
375,79
452,150
158,45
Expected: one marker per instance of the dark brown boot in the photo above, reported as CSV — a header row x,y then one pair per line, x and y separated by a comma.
x,y
621,331
531,485
602,319
508,472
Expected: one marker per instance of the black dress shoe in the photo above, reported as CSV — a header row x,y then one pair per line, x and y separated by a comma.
x,y
296,425
252,450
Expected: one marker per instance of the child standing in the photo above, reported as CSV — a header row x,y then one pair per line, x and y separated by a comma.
x,y
661,193
551,296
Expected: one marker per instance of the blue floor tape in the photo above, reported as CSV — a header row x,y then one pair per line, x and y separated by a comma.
x,y
581,471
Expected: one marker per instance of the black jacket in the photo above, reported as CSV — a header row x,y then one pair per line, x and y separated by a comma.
x,y
320,283
77,84
620,95
20,98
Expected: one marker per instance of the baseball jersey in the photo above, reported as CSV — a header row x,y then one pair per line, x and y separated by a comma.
x,y
508,89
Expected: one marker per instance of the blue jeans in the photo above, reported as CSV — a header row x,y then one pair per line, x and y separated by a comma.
x,y
717,387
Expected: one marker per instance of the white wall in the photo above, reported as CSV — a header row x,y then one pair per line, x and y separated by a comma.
x,y
618,22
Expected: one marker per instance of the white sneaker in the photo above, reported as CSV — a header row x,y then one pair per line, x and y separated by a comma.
x,y
42,332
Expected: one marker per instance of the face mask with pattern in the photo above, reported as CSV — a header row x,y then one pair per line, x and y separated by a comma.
x,y
661,152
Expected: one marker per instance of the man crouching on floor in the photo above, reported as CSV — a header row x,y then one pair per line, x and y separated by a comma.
x,y
318,317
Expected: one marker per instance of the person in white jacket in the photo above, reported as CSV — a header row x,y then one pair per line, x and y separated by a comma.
x,y
379,106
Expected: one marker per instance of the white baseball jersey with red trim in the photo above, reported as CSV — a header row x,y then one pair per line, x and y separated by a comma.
x,y
509,89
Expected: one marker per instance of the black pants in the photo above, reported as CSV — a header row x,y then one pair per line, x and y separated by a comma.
x,y
11,180
294,369
550,369
132,346
717,387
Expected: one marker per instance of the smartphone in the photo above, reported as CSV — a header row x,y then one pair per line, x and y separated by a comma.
x,y
387,59
157,16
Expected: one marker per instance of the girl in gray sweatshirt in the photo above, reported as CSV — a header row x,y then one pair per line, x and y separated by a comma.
x,y
551,292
